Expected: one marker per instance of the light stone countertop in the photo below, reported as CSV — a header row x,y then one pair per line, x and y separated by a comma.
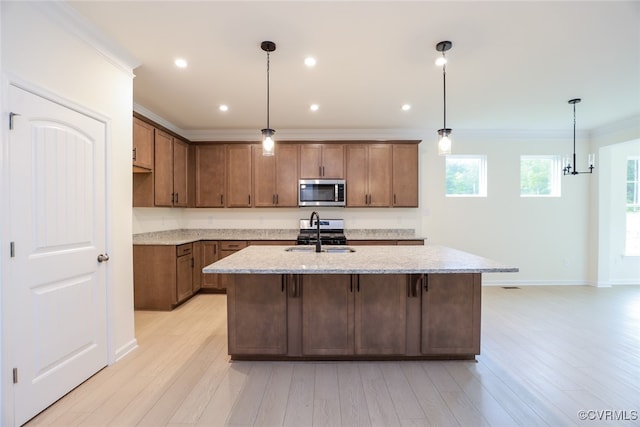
x,y
179,237
365,260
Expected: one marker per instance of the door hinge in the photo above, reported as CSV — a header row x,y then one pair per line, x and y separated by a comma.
x,y
12,249
11,116
15,375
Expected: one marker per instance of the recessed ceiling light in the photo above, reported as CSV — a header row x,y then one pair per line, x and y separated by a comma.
x,y
223,107
406,107
314,107
310,61
181,63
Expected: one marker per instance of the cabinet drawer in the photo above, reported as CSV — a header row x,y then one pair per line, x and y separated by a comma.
x,y
232,245
185,249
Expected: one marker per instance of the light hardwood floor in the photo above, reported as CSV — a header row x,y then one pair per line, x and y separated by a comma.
x,y
548,352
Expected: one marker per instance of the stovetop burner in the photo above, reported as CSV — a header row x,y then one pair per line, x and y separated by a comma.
x,y
331,232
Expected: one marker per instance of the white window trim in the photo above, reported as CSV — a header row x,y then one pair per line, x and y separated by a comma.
x,y
482,174
556,177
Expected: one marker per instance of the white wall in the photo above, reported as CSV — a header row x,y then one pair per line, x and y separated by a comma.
x,y
41,48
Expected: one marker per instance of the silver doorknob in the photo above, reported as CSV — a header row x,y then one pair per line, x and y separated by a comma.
x,y
103,257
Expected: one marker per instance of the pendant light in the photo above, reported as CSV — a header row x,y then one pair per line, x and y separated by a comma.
x,y
570,169
444,134
267,133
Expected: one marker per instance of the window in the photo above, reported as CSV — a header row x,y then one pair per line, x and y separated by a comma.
x,y
632,245
466,176
540,176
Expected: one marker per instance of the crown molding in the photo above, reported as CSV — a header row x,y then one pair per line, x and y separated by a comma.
x,y
71,20
629,124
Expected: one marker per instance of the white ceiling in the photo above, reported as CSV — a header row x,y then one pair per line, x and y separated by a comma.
x,y
513,65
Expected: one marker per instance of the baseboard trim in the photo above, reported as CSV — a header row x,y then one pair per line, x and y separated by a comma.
x,y
125,350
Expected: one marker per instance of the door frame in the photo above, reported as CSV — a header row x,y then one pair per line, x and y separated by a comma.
x,y
6,358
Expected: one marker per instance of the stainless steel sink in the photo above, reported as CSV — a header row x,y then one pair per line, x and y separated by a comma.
x,y
330,250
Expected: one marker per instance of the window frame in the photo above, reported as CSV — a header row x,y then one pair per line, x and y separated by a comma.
x,y
482,174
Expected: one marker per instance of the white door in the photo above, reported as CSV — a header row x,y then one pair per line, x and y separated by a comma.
x,y
55,300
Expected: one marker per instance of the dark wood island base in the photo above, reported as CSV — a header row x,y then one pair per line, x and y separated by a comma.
x,y
354,316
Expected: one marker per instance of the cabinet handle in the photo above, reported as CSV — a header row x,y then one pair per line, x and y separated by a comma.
x,y
277,201
193,262
222,199
425,279
357,276
394,199
282,282
249,199
135,153
320,170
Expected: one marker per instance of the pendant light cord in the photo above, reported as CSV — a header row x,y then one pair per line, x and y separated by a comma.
x,y
268,91
444,91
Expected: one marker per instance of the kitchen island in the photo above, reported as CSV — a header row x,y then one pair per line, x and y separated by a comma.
x,y
367,302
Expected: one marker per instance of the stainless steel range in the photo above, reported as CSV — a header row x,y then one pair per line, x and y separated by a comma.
x,y
331,232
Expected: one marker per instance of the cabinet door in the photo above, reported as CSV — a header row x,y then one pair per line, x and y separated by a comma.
x,y
379,175
163,170
381,314
405,175
154,277
333,161
327,314
142,145
357,190
310,161
286,175
210,173
180,168
451,314
257,331
238,176
184,277
196,283
264,178
210,254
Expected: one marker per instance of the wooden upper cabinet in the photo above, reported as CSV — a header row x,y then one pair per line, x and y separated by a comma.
x,y
369,175
405,175
143,136
322,161
275,181
264,178
286,175
239,179
170,171
209,175
163,171
180,171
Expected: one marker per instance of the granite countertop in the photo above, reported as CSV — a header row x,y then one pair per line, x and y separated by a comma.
x,y
365,260
179,237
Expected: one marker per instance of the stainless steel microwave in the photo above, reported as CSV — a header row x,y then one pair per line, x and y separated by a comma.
x,y
321,192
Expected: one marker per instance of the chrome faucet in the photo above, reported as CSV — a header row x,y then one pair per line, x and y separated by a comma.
x,y
318,244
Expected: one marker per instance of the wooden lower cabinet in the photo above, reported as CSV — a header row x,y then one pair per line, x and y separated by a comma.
x,y
327,314
162,275
354,314
257,314
343,316
228,247
380,314
451,314
210,254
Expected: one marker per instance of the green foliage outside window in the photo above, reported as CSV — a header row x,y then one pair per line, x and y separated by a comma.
x,y
462,176
535,176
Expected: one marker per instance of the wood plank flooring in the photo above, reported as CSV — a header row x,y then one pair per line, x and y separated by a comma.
x,y
548,352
